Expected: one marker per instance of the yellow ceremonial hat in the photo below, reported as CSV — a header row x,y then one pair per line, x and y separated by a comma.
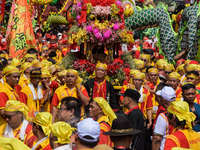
x,y
46,68
45,74
10,69
35,62
62,131
182,112
191,67
180,67
14,105
132,71
16,62
146,56
107,110
139,75
79,79
174,75
101,65
169,67
139,64
44,119
12,144
192,75
161,63
187,61
25,66
153,70
30,56
197,68
45,62
62,73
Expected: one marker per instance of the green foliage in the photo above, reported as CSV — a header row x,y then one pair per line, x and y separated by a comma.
x,y
128,59
67,61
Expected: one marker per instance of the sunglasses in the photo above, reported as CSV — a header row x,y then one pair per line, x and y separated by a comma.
x,y
9,116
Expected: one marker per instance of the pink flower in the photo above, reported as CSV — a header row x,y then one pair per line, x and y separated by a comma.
x,y
89,28
79,4
118,3
115,27
102,39
95,31
98,36
78,17
106,35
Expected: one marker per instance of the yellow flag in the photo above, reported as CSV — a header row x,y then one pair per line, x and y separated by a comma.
x,y
19,35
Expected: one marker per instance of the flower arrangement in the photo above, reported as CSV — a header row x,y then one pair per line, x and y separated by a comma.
x,y
117,72
99,21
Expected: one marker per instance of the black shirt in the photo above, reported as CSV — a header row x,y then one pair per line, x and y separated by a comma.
x,y
138,122
110,93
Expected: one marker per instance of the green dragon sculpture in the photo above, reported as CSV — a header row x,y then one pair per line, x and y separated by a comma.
x,y
169,41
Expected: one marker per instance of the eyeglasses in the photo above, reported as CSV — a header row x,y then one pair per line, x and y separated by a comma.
x,y
62,109
9,116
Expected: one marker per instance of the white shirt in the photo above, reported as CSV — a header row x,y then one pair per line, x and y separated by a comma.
x,y
64,147
162,128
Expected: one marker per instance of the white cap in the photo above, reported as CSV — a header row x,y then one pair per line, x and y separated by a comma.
x,y
88,127
59,34
167,93
3,40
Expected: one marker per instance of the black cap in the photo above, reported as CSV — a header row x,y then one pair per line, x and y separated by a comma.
x,y
51,60
132,94
149,51
35,73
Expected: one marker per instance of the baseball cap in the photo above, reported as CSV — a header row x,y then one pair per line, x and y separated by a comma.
x,y
88,127
135,95
167,93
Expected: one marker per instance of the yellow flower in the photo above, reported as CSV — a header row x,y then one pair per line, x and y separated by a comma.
x,y
92,16
107,78
73,36
70,40
89,7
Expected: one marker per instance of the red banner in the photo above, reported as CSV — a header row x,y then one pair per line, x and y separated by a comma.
x,y
2,8
19,35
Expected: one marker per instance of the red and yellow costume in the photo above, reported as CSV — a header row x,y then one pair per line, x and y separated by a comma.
x,y
44,120
23,81
105,121
26,97
7,92
146,103
152,96
184,138
29,138
178,90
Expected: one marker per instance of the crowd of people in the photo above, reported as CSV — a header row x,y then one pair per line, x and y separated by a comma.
x,y
43,106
